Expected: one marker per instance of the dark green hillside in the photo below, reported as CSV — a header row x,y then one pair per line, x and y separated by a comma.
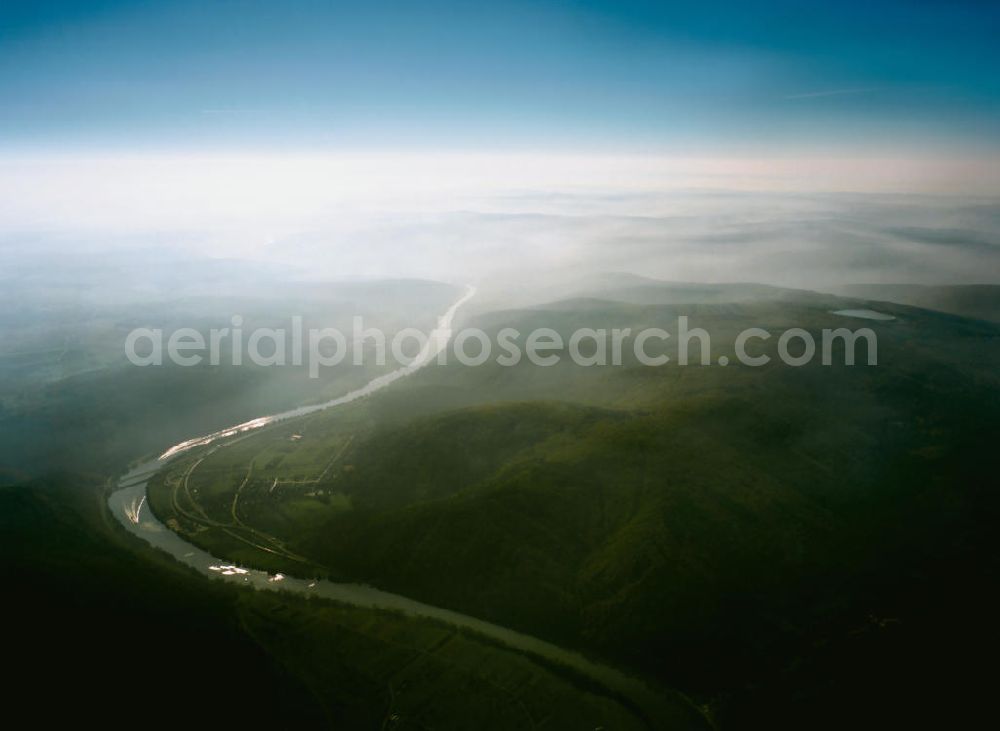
x,y
453,451
94,624
98,623
743,534
631,532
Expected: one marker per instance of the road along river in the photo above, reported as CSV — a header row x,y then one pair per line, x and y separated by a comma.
x,y
663,709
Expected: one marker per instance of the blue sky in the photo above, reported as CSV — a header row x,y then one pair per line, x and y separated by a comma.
x,y
701,76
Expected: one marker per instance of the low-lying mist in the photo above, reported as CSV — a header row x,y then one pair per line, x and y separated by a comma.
x,y
103,232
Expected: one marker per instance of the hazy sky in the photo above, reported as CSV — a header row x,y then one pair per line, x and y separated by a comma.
x,y
453,140
557,74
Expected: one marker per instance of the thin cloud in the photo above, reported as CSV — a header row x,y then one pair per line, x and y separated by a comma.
x,y
832,92
232,111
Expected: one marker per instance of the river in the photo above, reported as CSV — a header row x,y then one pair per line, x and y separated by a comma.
x,y
128,504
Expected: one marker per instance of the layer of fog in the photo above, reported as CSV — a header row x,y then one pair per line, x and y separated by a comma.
x,y
104,232
88,252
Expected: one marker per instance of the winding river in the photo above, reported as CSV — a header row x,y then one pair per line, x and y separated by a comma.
x,y
663,709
